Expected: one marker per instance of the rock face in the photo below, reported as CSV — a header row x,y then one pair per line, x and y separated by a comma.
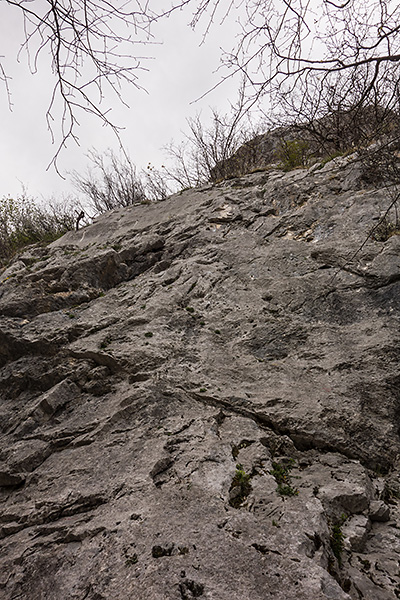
x,y
200,399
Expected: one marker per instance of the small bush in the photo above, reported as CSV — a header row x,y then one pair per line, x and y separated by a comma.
x,y
337,541
292,154
330,157
282,477
223,149
240,486
385,230
24,221
112,181
106,342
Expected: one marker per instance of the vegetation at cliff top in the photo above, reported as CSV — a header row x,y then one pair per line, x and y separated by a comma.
x,y
302,61
330,70
24,221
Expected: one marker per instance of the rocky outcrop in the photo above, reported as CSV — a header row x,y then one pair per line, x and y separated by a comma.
x,y
200,399
313,140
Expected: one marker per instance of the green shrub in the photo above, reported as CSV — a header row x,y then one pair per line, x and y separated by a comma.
x,y
330,157
106,342
337,541
282,476
292,153
24,222
241,480
384,230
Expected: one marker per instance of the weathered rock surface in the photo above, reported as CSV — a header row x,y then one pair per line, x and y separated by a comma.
x,y
200,399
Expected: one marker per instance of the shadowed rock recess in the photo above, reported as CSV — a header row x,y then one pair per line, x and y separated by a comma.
x,y
200,398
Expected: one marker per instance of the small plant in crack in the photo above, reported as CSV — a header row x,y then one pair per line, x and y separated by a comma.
x,y
275,523
390,493
384,230
106,342
366,564
240,487
236,448
131,560
337,538
281,472
148,334
287,490
190,589
337,542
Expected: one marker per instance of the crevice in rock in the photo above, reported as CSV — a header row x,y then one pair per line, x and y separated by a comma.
x,y
302,441
100,358
52,512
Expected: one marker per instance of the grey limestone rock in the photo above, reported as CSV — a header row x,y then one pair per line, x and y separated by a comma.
x,y
355,532
379,511
57,397
200,399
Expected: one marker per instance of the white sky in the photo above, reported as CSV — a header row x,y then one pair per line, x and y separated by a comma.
x,y
182,70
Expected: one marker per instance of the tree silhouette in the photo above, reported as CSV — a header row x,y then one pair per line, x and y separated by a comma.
x,y
302,58
91,48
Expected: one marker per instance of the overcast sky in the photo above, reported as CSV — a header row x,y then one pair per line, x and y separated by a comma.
x,y
181,69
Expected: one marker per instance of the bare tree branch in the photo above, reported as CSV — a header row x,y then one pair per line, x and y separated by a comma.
x,y
92,46
284,46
